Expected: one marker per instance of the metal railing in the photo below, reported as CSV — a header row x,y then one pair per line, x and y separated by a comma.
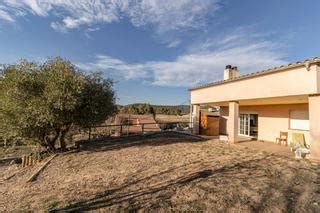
x,y
117,130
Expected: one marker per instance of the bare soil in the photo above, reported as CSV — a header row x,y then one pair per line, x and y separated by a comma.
x,y
168,172
16,151
172,118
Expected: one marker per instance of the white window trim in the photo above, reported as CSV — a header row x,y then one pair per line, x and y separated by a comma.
x,y
299,124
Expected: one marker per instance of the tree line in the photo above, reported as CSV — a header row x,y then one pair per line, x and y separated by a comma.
x,y
137,109
144,108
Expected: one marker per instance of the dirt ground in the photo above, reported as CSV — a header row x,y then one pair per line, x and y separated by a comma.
x,y
172,118
168,173
14,151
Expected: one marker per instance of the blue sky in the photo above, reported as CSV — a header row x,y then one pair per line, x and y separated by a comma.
x,y
156,49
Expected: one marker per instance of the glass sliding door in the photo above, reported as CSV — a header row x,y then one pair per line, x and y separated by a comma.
x,y
253,125
248,125
244,124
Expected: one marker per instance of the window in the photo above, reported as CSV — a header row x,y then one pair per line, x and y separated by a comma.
x,y
299,119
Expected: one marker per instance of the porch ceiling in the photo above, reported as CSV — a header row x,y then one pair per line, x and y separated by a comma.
x,y
300,99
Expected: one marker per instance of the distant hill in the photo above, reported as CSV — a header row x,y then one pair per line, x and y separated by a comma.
x,y
172,109
143,108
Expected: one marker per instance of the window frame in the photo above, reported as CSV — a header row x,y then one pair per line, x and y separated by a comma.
x,y
290,120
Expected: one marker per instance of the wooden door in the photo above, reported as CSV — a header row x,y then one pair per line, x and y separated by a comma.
x,y
209,125
212,126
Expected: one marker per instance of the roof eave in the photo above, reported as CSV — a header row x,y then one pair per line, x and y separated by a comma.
x,y
306,63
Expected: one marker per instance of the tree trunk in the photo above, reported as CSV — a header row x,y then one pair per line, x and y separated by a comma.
x,y
63,145
62,137
50,142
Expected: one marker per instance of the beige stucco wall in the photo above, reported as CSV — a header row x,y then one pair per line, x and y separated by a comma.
x,y
233,122
297,81
318,78
195,119
271,120
314,116
224,113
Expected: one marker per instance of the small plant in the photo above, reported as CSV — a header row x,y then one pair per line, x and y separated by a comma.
x,y
52,206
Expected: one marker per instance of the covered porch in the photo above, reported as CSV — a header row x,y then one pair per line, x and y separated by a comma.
x,y
263,119
268,147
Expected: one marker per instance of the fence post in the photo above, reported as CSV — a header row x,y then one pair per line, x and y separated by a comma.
x,y
29,161
128,129
24,160
142,128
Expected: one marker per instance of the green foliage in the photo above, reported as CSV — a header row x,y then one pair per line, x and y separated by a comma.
x,y
155,109
138,109
42,102
97,101
18,85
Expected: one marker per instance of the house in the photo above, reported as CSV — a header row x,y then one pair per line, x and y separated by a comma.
x,y
262,104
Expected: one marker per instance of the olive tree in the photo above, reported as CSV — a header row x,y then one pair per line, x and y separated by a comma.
x,y
42,102
97,101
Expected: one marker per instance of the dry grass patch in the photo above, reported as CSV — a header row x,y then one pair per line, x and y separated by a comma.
x,y
166,172
172,118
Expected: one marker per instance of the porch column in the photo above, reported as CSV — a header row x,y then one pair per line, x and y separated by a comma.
x,y
195,119
233,121
314,119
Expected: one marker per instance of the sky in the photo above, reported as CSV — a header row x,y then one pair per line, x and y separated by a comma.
x,y
155,50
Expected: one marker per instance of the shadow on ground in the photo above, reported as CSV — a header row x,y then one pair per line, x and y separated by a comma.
x,y
258,186
154,139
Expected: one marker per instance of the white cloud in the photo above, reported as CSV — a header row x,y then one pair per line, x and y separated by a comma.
x,y
9,15
92,29
118,67
164,15
33,6
202,63
174,43
6,16
172,15
59,27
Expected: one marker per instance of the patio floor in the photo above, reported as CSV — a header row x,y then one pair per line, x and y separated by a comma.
x,y
268,147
